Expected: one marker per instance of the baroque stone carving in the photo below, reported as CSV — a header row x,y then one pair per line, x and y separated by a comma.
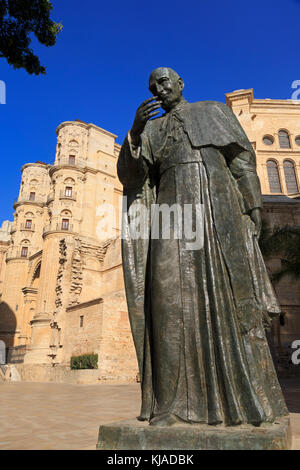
x,y
62,261
83,250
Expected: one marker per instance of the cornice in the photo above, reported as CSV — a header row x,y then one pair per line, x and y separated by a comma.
x,y
66,167
36,255
29,290
9,332
263,104
85,126
85,304
81,169
106,173
28,203
44,167
16,259
279,152
238,94
65,232
41,318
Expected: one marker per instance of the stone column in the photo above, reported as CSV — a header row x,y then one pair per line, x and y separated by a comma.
x,y
29,310
39,349
282,178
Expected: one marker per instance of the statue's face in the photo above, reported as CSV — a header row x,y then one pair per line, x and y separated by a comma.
x,y
167,86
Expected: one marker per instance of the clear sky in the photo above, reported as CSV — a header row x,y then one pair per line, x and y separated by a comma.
x,y
98,70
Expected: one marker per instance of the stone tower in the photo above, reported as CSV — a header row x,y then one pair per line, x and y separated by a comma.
x,y
76,272
26,240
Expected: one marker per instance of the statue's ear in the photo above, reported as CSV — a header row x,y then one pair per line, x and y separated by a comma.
x,y
181,83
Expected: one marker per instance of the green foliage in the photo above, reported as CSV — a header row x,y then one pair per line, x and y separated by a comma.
x,y
86,361
18,20
283,242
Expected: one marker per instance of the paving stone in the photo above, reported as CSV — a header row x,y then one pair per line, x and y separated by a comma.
x,y
63,416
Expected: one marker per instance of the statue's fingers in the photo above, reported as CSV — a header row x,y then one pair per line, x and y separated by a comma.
x,y
153,114
151,106
146,112
148,101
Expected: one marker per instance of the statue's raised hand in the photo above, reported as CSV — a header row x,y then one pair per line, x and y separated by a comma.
x,y
144,112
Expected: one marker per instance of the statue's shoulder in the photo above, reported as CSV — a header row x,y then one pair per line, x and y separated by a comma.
x,y
210,110
208,105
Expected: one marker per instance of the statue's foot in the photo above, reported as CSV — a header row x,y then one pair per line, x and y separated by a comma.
x,y
142,418
164,420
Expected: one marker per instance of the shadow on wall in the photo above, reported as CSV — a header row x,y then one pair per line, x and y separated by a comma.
x,y
8,325
291,390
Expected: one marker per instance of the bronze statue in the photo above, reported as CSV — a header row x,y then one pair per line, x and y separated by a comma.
x,y
198,316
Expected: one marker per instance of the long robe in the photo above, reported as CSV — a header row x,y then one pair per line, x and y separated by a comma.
x,y
198,315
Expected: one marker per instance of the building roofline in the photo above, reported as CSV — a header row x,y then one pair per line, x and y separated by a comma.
x,y
266,102
45,166
85,126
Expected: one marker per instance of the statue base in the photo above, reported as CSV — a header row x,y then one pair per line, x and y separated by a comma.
x,y
136,435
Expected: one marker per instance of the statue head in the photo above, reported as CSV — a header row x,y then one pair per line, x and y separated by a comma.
x,y
167,85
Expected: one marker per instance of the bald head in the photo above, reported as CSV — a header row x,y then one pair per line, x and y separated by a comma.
x,y
161,71
167,85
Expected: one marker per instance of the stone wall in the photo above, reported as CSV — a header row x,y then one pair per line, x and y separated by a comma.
x,y
117,354
59,374
84,328
101,326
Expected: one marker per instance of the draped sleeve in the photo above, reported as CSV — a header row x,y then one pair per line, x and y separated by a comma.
x,y
132,166
242,165
134,171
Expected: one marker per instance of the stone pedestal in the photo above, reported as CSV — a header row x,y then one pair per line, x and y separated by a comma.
x,y
135,435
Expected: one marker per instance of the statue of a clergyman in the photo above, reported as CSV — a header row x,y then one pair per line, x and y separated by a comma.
x,y
198,316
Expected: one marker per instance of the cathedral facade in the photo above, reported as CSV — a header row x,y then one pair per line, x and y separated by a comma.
x,y
273,128
61,281
62,290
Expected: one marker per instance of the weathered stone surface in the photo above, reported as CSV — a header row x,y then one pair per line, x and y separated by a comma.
x,y
135,435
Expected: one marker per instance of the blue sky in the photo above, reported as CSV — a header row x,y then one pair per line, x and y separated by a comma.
x,y
99,68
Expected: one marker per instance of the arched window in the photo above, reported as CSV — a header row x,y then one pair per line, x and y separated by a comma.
x,y
28,223
284,140
268,140
65,224
68,191
73,151
25,248
24,252
273,175
290,177
65,221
